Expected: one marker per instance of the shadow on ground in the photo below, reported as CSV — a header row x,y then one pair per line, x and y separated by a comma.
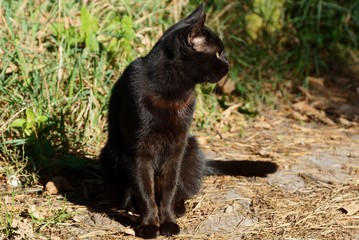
x,y
243,168
88,190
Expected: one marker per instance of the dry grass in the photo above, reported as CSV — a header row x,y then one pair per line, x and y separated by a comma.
x,y
302,200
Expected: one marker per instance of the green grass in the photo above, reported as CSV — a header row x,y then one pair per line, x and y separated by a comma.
x,y
59,60
6,219
59,63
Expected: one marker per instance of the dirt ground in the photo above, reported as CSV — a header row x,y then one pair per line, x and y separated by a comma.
x,y
300,179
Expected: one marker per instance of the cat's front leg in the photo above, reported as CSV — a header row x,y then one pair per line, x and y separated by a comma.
x,y
145,196
167,182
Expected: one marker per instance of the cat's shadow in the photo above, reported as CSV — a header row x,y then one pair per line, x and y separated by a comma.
x,y
91,193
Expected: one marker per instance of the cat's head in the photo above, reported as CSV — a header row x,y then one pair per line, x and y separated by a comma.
x,y
194,48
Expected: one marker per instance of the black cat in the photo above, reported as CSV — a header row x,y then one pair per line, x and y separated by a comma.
x,y
150,159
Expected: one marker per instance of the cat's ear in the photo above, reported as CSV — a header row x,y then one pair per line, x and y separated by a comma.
x,y
195,15
195,37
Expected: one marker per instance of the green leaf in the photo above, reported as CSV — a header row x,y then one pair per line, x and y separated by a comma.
x,y
28,132
41,119
254,23
20,122
30,116
30,119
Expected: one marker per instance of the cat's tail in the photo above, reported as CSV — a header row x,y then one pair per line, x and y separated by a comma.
x,y
240,168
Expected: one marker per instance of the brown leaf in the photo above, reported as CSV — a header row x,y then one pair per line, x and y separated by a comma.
x,y
316,81
306,92
346,122
262,125
23,228
11,68
297,116
226,113
323,118
351,209
226,85
303,107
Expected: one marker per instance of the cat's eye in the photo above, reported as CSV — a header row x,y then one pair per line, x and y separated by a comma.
x,y
217,55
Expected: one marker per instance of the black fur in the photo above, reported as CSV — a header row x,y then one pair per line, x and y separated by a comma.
x,y
149,159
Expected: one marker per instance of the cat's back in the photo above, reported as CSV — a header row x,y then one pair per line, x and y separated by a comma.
x,y
124,104
133,73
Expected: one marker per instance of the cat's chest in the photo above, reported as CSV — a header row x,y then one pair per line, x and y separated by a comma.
x,y
174,110
166,120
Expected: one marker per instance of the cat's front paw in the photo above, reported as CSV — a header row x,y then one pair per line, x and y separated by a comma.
x,y
147,231
169,229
